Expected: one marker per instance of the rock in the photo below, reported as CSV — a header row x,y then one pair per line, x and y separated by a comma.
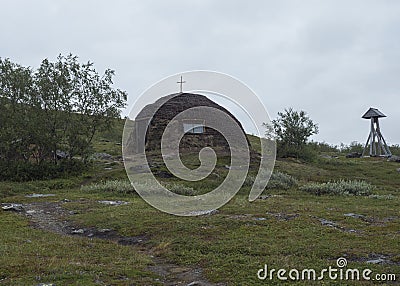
x,y
260,218
376,261
196,283
39,195
130,240
113,203
62,154
283,216
394,159
353,215
138,169
163,174
354,155
240,217
170,155
102,156
13,207
78,231
326,222
118,159
235,167
204,212
375,258
264,197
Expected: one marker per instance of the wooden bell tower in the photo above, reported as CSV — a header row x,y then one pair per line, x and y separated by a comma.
x,y
376,142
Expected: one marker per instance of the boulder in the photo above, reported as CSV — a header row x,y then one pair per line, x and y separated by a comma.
x,y
113,203
354,155
62,154
326,222
394,159
353,215
376,261
13,207
78,231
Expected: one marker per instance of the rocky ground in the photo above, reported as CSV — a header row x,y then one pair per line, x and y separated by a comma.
x,y
52,216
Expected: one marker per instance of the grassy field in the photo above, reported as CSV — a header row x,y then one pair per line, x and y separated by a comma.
x,y
287,228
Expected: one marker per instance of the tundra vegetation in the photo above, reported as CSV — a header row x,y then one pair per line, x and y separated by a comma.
x,y
95,230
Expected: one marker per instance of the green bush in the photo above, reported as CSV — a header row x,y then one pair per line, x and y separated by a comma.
x,y
125,187
395,149
21,171
382,197
352,148
305,152
182,189
117,186
278,180
292,129
323,147
342,187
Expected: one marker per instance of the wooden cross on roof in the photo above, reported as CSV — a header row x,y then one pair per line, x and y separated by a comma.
x,y
181,82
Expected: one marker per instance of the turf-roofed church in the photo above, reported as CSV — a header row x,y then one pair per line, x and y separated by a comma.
x,y
197,134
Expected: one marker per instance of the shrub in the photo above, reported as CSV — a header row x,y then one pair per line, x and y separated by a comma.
x,y
117,186
354,147
342,187
382,197
305,153
278,180
323,147
292,129
182,189
125,187
26,171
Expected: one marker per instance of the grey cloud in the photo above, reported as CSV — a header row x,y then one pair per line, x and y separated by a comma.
x,y
333,59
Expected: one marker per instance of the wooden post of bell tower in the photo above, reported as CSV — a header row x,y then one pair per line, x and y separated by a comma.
x,y
376,142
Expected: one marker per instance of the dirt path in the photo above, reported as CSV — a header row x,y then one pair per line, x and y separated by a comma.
x,y
51,216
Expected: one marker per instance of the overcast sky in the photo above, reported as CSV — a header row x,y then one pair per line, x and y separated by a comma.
x,y
333,59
